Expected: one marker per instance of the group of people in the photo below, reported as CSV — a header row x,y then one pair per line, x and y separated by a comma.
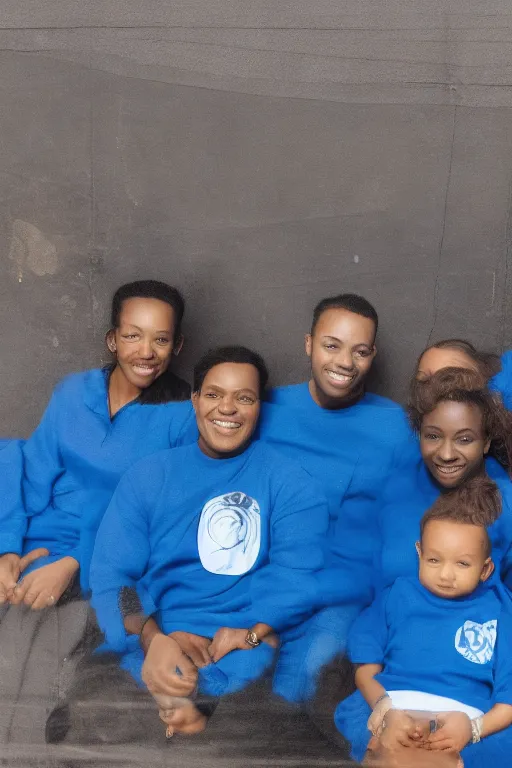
x,y
225,531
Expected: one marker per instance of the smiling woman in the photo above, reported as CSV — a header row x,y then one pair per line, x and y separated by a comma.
x,y
97,424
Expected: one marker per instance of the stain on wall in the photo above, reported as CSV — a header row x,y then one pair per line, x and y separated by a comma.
x,y
260,156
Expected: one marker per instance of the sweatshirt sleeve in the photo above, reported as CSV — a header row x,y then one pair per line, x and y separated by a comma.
x,y
502,693
502,382
286,591
13,520
368,636
120,558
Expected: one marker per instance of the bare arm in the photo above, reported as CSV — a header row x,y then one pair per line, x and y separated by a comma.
x,y
496,719
371,689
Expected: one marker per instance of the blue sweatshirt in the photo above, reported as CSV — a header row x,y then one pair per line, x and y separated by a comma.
x,y
502,382
406,497
72,464
210,543
350,452
455,648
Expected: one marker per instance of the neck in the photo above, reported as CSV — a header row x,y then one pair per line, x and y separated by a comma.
x,y
334,403
213,454
120,391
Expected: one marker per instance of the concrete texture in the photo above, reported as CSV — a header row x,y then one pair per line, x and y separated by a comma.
x,y
260,155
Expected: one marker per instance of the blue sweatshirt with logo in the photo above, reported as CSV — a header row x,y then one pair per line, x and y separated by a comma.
x,y
454,648
72,464
210,543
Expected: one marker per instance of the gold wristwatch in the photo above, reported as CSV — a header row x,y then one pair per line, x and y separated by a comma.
x,y
252,639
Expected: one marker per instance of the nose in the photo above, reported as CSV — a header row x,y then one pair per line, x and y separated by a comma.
x,y
344,359
446,573
446,451
227,405
145,349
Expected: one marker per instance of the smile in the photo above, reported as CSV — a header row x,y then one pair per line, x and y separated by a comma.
x,y
226,424
449,470
340,377
144,370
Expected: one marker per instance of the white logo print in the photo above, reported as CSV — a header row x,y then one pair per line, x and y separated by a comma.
x,y
229,534
476,641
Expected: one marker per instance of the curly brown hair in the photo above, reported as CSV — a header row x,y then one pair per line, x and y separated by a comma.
x,y
477,502
461,385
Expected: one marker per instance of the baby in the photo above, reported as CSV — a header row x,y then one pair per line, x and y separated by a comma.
x,y
434,668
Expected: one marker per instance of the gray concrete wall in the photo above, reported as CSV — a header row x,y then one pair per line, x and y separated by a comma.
x,y
260,155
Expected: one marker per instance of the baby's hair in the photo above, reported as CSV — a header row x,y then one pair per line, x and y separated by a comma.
x,y
462,385
477,502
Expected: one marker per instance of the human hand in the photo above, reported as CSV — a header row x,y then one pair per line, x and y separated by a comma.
x,y
226,640
399,729
453,732
167,671
194,646
9,575
45,586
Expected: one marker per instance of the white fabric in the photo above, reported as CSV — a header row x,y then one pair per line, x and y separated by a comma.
x,y
229,534
429,702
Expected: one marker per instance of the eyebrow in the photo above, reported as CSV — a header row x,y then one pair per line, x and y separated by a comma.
x,y
236,391
132,325
358,344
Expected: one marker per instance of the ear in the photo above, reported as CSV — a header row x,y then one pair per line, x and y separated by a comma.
x,y
194,397
487,570
308,343
179,344
110,341
418,548
486,447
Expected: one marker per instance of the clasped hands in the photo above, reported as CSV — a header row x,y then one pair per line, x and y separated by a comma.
x,y
42,587
453,732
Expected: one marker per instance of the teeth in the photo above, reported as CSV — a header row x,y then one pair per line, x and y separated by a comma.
x,y
448,470
227,424
339,377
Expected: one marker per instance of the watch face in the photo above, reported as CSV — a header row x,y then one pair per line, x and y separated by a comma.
x,y
252,639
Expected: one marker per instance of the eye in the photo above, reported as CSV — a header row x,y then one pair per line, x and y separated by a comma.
x,y
464,564
130,336
433,560
210,395
162,340
430,436
466,439
362,353
246,399
329,346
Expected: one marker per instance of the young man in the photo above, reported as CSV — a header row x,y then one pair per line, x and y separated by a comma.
x,y
206,550
347,439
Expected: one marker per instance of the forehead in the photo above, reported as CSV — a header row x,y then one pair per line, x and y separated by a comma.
x,y
434,360
147,312
346,326
451,417
232,376
448,536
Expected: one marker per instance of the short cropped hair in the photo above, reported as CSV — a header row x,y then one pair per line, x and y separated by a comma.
x,y
234,354
149,289
349,301
487,363
476,502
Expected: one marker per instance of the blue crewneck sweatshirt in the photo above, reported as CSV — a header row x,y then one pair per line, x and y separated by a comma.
x,y
211,543
454,648
406,496
502,382
72,464
350,452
